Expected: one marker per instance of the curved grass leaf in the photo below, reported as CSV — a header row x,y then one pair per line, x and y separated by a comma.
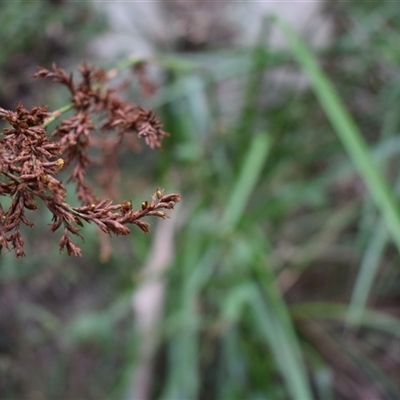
x,y
347,131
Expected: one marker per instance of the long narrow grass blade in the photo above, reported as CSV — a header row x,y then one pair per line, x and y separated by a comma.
x,y
285,331
248,177
259,59
347,131
369,319
369,267
275,333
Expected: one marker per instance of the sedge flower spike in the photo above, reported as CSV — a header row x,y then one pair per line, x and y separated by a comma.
x,y
31,160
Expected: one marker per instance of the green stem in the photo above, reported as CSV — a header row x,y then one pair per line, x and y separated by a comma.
x,y
57,114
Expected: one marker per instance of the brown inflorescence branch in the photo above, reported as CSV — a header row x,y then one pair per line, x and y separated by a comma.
x,y
31,160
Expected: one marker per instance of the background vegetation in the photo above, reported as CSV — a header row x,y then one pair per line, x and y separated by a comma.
x,y
279,271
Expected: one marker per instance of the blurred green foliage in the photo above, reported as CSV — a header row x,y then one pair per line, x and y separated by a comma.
x,y
284,281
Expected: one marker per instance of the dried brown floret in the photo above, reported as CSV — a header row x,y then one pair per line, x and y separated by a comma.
x,y
31,160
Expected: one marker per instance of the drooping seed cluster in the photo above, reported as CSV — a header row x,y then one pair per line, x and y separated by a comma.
x,y
31,160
